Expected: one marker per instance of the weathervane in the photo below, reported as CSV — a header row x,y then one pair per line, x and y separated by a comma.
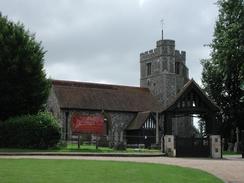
x,y
162,23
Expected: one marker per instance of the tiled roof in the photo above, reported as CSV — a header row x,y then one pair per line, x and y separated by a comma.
x,y
93,96
139,120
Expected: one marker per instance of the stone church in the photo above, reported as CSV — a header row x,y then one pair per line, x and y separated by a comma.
x,y
121,106
132,114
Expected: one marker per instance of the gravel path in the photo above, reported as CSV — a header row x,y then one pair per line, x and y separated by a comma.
x,y
230,169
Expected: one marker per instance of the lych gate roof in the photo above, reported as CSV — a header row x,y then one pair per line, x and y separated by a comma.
x,y
184,95
93,96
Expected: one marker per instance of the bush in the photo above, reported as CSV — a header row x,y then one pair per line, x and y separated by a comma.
x,y
30,131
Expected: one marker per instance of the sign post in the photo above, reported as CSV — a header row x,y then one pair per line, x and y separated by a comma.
x,y
88,124
79,141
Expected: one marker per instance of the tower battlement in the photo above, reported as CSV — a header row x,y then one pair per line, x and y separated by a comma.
x,y
165,42
180,56
163,47
150,54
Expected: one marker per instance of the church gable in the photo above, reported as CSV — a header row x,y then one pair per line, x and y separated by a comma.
x,y
191,98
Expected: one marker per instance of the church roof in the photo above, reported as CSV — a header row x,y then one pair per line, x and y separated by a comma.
x,y
139,120
94,96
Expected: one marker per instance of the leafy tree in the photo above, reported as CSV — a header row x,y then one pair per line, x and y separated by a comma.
x,y
202,127
23,85
223,74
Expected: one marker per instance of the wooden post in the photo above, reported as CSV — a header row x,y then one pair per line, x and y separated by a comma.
x,y
157,129
79,141
168,123
242,140
237,135
236,149
96,143
162,144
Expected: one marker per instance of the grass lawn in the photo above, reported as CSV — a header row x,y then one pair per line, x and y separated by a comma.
x,y
230,153
83,148
86,171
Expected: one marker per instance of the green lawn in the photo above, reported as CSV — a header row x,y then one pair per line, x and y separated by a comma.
x,y
231,153
85,171
83,148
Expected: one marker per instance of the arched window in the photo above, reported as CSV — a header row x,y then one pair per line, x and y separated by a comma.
x,y
149,69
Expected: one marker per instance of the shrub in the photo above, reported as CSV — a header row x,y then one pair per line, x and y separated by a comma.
x,y
30,131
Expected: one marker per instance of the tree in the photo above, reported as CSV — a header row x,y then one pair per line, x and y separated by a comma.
x,y
223,73
202,127
23,85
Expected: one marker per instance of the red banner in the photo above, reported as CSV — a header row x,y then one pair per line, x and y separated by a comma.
x,y
93,124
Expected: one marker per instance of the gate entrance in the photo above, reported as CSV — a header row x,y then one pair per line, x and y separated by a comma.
x,y
192,147
191,100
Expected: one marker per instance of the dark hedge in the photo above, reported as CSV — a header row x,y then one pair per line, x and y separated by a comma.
x,y
30,131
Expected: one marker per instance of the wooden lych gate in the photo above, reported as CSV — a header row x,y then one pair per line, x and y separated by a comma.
x,y
192,100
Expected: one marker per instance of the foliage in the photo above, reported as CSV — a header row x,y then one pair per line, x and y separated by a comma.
x,y
23,85
202,128
63,171
223,74
30,131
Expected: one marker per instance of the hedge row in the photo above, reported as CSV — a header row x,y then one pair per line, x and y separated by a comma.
x,y
30,131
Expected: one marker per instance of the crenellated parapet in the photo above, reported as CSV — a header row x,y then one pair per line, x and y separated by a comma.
x,y
164,47
150,54
180,56
165,42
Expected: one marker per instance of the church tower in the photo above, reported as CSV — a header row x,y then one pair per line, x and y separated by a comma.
x,y
163,70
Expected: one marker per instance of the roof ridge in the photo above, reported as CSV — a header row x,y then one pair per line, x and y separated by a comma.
x,y
82,84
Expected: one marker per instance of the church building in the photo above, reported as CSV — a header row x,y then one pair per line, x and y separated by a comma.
x,y
133,115
124,108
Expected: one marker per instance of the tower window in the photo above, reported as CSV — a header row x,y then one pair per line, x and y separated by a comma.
x,y
177,67
149,69
165,65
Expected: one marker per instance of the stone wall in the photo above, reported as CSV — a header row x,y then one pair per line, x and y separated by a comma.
x,y
53,105
163,88
118,121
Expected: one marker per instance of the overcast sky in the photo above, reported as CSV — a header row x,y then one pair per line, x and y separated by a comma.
x,y
101,40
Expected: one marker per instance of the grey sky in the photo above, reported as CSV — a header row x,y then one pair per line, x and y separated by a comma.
x,y
100,40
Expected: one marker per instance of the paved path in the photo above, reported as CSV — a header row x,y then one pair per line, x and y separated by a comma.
x,y
230,169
